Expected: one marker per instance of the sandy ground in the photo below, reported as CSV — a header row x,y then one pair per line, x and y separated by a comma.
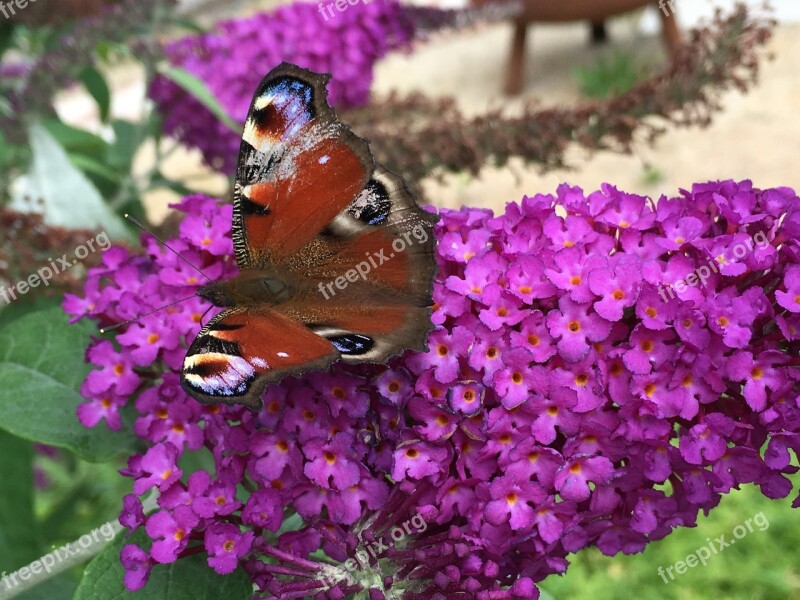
x,y
757,136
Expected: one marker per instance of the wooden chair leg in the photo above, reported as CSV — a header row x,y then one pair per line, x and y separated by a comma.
x,y
515,71
599,33
671,31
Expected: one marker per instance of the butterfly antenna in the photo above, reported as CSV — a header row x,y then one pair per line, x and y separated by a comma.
x,y
203,316
118,325
163,243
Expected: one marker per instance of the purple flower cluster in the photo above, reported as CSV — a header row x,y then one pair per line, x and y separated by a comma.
x,y
232,59
564,401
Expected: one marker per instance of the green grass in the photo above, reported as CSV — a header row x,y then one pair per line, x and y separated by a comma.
x,y
609,76
763,565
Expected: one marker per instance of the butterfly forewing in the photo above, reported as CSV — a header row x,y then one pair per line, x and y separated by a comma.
x,y
298,167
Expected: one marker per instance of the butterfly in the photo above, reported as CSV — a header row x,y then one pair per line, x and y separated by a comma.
x,y
336,260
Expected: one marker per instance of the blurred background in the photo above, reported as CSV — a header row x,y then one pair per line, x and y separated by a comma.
x,y
753,135
113,107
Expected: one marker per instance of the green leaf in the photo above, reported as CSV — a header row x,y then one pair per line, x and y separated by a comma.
x,y
76,141
6,36
186,579
11,312
192,26
160,181
126,143
198,90
90,166
42,367
68,198
96,85
60,587
17,535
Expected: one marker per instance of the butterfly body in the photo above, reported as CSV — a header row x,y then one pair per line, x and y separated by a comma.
x,y
266,288
336,259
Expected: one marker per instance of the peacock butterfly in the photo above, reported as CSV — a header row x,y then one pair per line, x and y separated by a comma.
x,y
336,259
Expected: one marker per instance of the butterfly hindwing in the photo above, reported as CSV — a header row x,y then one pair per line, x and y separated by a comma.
x,y
241,350
385,231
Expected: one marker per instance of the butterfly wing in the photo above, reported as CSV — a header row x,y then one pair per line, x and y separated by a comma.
x,y
241,350
310,203
298,168
370,274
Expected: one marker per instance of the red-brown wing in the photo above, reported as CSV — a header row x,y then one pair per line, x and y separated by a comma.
x,y
369,277
298,168
241,350
364,332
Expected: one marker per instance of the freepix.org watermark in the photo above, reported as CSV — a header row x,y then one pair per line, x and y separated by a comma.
x,y
374,549
44,275
667,6
9,9
341,6
701,275
714,547
417,235
49,562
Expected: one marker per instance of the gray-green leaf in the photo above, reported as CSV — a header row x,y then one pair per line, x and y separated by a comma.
x,y
42,367
186,579
69,198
